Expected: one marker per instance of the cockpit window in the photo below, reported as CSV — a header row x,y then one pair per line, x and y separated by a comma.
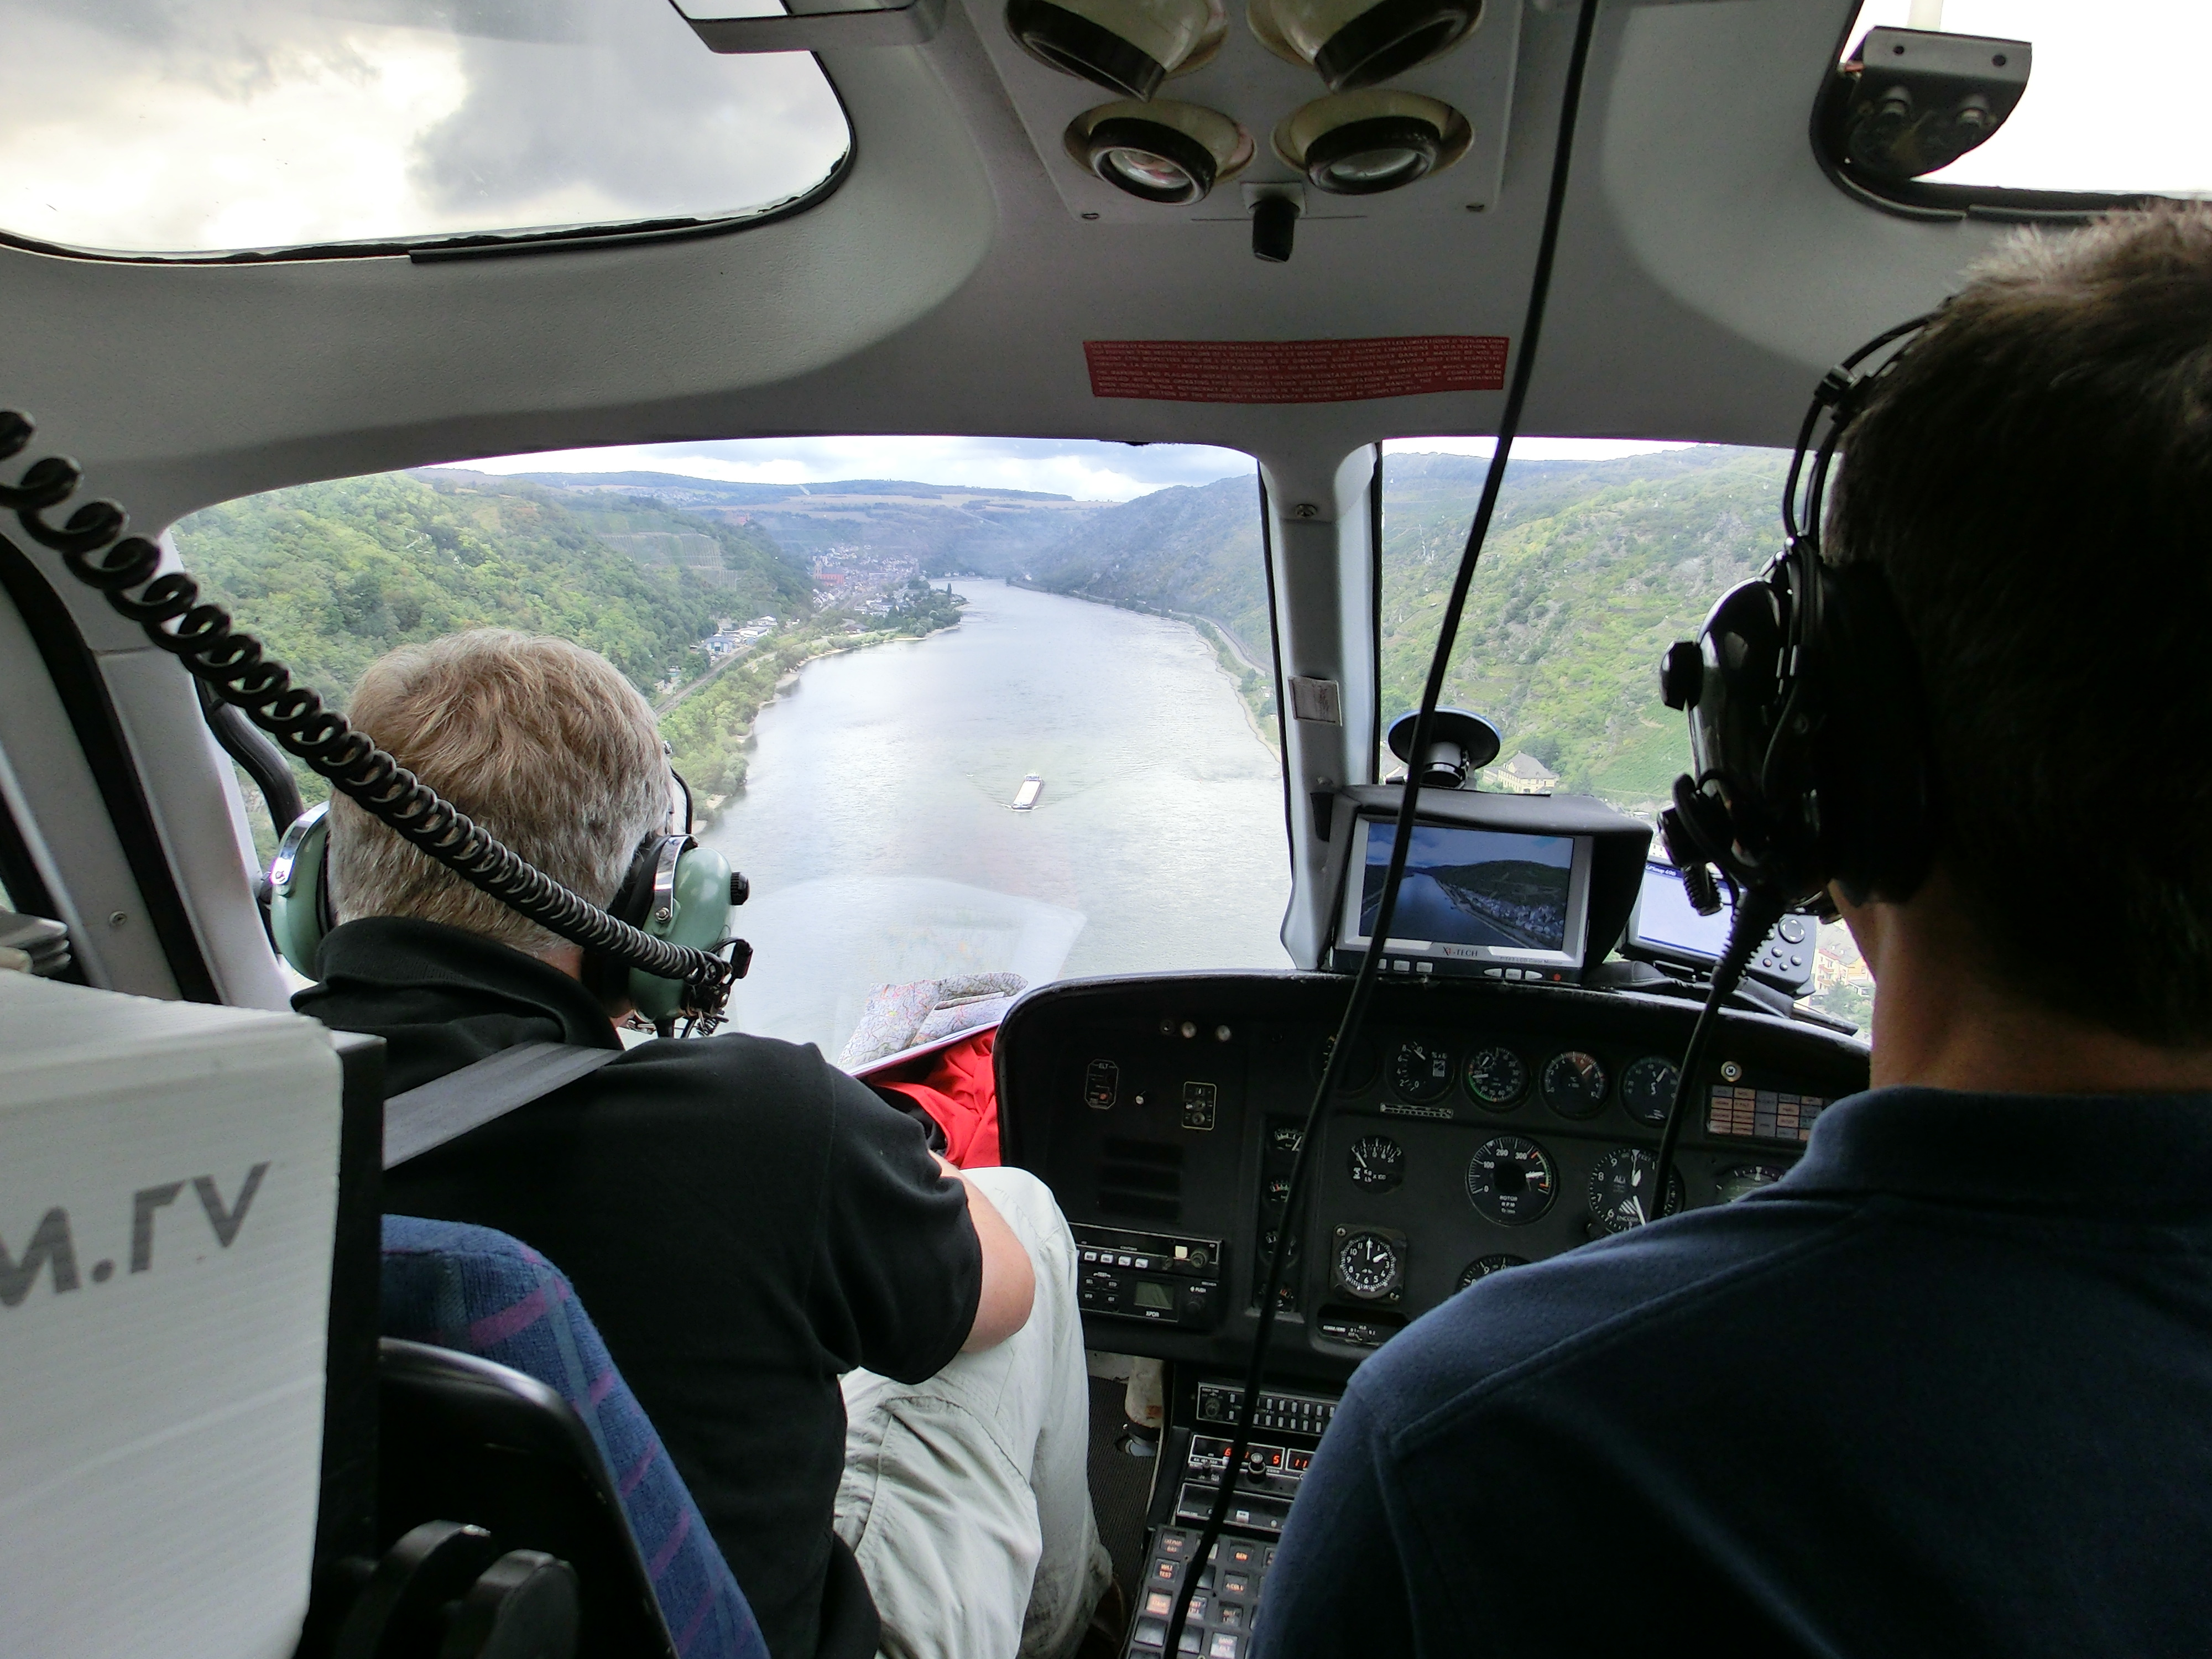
x,y
2114,105
1597,561
1010,714
210,127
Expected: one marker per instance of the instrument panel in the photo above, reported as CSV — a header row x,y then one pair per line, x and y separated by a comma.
x,y
1479,1126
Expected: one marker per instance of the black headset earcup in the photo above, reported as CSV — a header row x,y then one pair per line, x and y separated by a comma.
x,y
608,981
1876,816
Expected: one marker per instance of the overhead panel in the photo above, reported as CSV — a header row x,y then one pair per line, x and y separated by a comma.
x,y
1261,92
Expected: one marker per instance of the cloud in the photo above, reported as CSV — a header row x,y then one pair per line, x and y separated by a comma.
x,y
1085,469
146,126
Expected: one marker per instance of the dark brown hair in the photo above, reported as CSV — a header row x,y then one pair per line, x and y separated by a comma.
x,y
2035,481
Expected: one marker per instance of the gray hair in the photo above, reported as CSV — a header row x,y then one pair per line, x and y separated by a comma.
x,y
543,742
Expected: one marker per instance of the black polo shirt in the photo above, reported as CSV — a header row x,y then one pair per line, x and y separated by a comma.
x,y
744,1222
1945,1388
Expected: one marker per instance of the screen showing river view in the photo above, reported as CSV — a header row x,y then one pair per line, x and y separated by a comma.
x,y
878,828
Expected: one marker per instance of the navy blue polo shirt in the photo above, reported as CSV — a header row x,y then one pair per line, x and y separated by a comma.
x,y
1945,1388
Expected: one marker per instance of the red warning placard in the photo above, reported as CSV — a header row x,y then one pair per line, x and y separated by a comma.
x,y
1295,371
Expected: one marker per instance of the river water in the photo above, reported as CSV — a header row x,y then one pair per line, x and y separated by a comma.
x,y
877,830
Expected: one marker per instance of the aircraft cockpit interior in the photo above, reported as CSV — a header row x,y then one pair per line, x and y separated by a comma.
x,y
1165,547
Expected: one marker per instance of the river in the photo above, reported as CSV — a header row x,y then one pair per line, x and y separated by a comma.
x,y
877,830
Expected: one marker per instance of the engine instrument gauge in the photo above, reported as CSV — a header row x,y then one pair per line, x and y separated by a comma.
x,y
1574,1084
1483,1267
1378,1163
1746,1178
1421,1071
1646,1089
1369,1266
1510,1179
1497,1077
1361,1066
1620,1189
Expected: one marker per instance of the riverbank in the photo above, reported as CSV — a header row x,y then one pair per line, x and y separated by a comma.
x,y
708,734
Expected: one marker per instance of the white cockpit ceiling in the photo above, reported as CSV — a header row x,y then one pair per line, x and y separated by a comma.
x,y
1708,271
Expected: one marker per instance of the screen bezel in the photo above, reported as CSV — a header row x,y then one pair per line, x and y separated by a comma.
x,y
1469,958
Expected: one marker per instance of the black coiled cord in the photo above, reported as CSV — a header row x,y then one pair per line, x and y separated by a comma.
x,y
202,637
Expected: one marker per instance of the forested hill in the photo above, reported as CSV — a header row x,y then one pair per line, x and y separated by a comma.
x,y
1593,567
1194,548
331,575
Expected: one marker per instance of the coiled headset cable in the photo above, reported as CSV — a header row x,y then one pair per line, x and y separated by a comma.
x,y
202,636
1363,984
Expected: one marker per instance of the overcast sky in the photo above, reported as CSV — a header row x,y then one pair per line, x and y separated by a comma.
x,y
1085,469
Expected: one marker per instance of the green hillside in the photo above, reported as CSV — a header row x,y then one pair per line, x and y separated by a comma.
x,y
1193,548
330,576
1592,569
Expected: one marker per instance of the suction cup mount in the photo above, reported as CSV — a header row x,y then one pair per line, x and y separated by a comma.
x,y
1460,742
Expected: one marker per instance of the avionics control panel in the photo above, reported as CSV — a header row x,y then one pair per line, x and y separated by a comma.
x,y
1153,1278
1479,1126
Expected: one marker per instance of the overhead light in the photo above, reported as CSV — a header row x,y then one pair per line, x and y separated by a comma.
x,y
1362,143
1353,44
1912,101
1159,151
1128,46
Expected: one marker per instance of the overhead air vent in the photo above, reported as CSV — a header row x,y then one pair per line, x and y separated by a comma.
x,y
1140,1178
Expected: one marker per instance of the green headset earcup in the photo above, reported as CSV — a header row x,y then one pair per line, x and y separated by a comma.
x,y
699,916
299,890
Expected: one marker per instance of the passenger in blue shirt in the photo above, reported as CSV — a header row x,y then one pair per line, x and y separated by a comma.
x,y
1947,1388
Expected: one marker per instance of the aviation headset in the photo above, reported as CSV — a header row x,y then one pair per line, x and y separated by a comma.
x,y
675,890
1807,726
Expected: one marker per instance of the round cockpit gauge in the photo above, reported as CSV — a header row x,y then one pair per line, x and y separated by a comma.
x,y
1747,1178
1620,1189
1421,1072
1646,1089
1378,1163
1361,1066
1369,1267
1511,1180
1496,1078
1483,1267
1574,1084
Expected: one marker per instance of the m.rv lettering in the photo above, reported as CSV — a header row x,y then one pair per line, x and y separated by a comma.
x,y
53,1245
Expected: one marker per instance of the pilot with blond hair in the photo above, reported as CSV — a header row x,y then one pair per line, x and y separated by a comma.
x,y
866,1364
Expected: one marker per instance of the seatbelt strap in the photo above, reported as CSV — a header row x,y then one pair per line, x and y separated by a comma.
x,y
421,1120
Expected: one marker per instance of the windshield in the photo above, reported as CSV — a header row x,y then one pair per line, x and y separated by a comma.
x,y
215,126
947,723
1597,561
2114,103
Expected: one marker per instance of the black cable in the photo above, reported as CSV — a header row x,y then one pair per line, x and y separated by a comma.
x,y
1363,983
206,642
1757,910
